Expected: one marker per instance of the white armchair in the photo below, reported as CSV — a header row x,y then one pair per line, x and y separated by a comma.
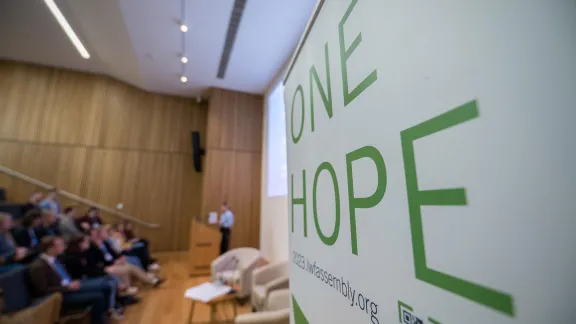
x,y
276,311
265,279
235,267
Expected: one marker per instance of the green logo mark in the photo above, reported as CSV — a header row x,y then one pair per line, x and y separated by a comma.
x,y
299,317
442,197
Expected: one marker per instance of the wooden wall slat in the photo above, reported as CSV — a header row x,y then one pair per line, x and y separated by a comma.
x,y
235,121
232,168
71,168
104,140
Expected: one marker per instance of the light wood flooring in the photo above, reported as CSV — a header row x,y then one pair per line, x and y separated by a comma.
x,y
167,304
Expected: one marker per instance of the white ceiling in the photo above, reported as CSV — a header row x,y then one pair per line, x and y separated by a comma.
x,y
139,41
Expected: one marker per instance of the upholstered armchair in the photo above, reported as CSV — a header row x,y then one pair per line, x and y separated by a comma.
x,y
267,278
235,267
276,310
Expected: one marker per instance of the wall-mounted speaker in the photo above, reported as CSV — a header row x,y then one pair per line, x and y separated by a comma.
x,y
197,151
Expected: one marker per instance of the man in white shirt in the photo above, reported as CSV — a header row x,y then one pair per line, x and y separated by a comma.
x,y
226,223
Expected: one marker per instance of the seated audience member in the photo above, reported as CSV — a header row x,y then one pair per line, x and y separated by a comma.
x,y
49,225
101,254
105,236
27,235
139,250
127,229
48,275
67,225
51,203
117,239
9,252
76,262
92,218
33,202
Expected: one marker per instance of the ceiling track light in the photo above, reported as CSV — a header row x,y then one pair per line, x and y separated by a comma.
x,y
183,29
67,28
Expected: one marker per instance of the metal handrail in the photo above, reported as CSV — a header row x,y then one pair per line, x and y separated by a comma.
x,y
76,198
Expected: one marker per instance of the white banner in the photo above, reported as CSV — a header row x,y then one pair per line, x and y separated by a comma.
x,y
431,163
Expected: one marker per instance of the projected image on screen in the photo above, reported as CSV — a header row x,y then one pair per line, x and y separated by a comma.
x,y
277,161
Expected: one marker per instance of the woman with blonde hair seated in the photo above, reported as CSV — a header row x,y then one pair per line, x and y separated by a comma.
x,y
132,248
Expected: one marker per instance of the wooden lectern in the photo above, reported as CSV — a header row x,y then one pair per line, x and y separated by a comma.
x,y
204,247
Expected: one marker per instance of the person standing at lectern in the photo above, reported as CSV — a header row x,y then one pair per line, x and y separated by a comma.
x,y
226,223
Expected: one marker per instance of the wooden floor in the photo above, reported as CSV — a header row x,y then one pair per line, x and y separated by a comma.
x,y
167,304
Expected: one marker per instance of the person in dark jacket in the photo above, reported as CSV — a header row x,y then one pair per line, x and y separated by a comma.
x,y
27,235
75,260
92,218
47,275
76,263
101,254
10,253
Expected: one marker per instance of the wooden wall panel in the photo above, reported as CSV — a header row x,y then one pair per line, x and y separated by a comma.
x,y
103,140
71,168
234,121
232,168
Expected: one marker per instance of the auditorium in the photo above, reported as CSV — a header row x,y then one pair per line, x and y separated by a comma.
x,y
287,161
142,154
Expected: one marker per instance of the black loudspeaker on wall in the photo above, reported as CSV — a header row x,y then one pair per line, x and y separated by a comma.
x,y
197,151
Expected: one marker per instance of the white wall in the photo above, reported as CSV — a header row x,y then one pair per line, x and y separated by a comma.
x,y
273,210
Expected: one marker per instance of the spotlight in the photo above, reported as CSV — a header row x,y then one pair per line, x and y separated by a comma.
x,y
184,59
184,79
183,28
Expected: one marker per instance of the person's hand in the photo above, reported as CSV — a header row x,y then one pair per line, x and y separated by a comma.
x,y
108,270
74,285
85,226
20,253
119,261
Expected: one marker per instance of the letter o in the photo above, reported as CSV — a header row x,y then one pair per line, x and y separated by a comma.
x,y
296,139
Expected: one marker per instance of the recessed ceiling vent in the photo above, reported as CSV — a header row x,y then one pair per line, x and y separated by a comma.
x,y
233,24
